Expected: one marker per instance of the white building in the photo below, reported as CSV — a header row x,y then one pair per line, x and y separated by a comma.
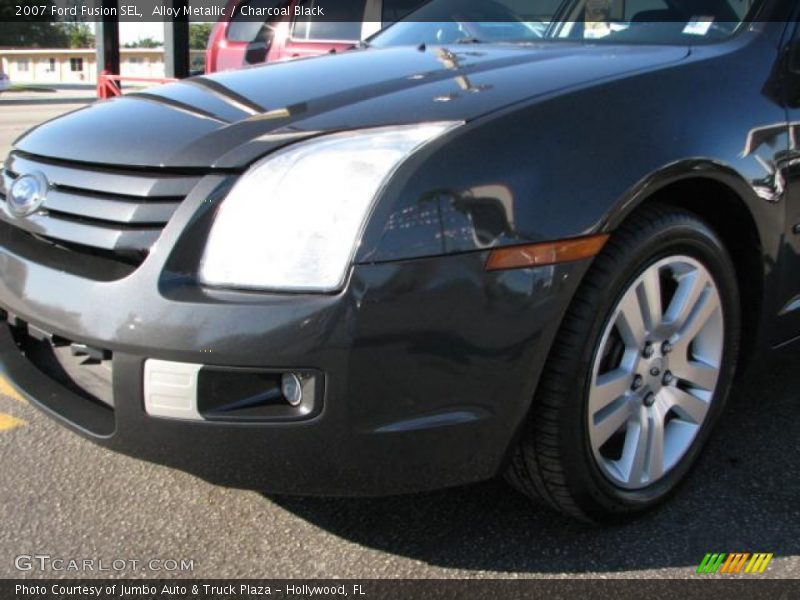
x,y
66,65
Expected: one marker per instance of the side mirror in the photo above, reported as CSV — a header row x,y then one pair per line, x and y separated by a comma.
x,y
256,53
258,48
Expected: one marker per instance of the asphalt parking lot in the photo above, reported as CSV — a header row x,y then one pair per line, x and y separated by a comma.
x,y
66,498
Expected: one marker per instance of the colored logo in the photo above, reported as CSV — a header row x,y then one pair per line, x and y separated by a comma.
x,y
27,194
731,564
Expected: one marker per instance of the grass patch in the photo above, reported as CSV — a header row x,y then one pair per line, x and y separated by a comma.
x,y
30,88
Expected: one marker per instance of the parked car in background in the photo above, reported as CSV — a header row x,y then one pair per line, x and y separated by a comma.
x,y
240,40
5,82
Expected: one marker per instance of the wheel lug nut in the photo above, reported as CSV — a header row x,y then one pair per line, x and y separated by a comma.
x,y
638,382
648,350
669,378
666,348
650,399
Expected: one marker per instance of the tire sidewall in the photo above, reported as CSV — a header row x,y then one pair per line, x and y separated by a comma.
x,y
592,490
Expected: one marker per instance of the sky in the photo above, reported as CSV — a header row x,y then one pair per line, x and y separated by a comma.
x,y
132,32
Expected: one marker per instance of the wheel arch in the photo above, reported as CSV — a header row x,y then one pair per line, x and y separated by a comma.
x,y
728,205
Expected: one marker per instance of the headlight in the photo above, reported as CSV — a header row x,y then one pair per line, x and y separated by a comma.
x,y
293,221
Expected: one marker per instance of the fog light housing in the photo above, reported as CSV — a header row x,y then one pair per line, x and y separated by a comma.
x,y
292,389
190,391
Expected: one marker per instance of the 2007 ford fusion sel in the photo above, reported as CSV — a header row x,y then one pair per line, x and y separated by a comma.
x,y
479,244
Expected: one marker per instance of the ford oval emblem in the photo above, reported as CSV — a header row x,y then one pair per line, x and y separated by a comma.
x,y
27,194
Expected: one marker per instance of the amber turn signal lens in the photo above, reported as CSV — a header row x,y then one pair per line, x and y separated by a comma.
x,y
548,253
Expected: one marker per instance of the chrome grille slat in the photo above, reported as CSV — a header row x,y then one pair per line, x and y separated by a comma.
x,y
110,210
105,181
115,211
85,234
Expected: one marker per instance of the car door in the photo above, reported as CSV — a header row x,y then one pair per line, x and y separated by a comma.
x,y
788,296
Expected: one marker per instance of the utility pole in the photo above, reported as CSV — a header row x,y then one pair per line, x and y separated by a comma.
x,y
176,42
107,40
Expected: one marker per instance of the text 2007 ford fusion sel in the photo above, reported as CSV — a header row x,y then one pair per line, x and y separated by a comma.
x,y
473,246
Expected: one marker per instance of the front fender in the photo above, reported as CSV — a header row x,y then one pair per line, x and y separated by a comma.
x,y
578,162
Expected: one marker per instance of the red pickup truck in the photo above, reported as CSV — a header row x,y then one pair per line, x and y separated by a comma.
x,y
242,38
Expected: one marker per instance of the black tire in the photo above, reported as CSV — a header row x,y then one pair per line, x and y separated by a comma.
x,y
553,461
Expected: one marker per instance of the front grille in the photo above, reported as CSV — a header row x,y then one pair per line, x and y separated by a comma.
x,y
112,213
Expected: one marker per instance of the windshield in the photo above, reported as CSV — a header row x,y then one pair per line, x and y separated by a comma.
x,y
529,21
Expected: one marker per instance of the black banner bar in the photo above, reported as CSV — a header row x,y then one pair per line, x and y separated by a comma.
x,y
334,11
707,587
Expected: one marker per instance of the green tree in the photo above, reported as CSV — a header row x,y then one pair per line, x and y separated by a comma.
x,y
147,42
198,35
31,31
80,36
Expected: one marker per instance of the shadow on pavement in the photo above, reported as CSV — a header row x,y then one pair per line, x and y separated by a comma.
x,y
743,497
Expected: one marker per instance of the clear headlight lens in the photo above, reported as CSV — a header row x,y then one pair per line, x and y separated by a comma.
x,y
292,222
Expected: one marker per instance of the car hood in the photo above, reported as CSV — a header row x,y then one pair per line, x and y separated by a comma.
x,y
229,119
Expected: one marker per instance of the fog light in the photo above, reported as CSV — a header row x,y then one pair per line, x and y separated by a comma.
x,y
292,389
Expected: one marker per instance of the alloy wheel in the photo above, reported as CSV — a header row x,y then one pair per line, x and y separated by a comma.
x,y
655,372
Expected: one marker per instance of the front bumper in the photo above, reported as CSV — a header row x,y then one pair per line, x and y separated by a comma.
x,y
429,366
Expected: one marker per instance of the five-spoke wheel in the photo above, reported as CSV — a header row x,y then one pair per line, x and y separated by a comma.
x,y
656,370
638,373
